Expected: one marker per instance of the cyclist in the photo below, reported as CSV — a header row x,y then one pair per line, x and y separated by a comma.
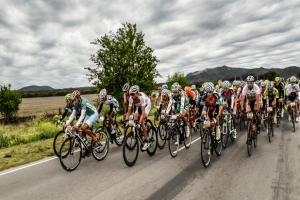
x,y
193,87
192,103
251,91
271,95
280,87
69,106
88,111
143,107
292,91
114,109
181,105
228,98
164,102
263,88
158,95
165,87
211,102
125,89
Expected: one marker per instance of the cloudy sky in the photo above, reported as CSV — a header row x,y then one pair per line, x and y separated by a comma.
x,y
47,42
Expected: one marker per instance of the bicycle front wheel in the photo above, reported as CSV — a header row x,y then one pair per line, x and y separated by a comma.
x,y
57,142
130,149
173,142
70,154
152,139
224,134
206,148
101,146
187,140
119,136
269,128
162,135
249,139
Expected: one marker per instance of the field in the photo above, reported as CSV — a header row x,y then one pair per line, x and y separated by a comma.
x,y
39,105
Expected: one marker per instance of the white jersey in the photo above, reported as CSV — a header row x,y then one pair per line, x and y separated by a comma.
x,y
158,95
141,101
292,90
110,100
239,90
251,93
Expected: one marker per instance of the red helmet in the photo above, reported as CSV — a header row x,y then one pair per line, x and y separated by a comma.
x,y
188,90
159,88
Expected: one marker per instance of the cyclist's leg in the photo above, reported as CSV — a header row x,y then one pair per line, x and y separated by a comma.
x,y
234,114
89,122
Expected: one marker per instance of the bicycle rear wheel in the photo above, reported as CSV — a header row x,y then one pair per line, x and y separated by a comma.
x,y
206,148
119,136
187,140
70,154
101,146
224,134
173,142
249,139
162,135
152,138
130,149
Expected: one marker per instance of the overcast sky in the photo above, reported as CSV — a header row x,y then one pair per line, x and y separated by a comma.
x,y
48,42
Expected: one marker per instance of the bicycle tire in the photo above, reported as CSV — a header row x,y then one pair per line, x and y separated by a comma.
x,y
162,135
231,131
119,137
205,148
173,138
241,123
293,120
218,145
56,147
152,137
102,138
269,127
130,142
249,139
224,137
70,152
187,140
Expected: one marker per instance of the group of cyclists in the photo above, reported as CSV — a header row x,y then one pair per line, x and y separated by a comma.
x,y
188,103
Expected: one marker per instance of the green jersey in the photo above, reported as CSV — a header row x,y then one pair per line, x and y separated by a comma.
x,y
271,95
85,104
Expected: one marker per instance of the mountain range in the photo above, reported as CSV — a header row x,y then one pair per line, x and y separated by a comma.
x,y
219,73
35,88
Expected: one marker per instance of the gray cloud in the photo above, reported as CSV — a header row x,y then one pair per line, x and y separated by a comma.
x,y
48,42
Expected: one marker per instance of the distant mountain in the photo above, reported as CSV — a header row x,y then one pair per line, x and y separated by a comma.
x,y
35,88
219,73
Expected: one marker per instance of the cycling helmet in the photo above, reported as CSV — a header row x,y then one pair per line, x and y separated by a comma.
x,y
159,88
102,94
226,84
209,88
250,78
188,90
270,85
257,82
263,84
164,92
180,87
281,80
242,83
165,87
126,87
235,83
75,94
277,79
193,87
175,87
293,79
68,97
267,81
134,89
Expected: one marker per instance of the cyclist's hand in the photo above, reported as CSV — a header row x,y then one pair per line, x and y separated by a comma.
x,y
75,128
124,116
64,126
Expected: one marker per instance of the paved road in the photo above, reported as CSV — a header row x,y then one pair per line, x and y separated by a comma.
x,y
272,172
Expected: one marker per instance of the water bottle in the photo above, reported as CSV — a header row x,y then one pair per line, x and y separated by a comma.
x,y
85,141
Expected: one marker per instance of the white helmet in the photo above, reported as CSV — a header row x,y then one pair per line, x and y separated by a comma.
x,y
293,79
102,94
209,87
250,78
263,83
75,94
175,87
226,84
270,84
134,89
164,92
193,87
126,87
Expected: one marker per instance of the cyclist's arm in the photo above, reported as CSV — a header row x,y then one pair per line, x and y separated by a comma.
x,y
232,101
100,108
111,106
82,115
71,118
65,113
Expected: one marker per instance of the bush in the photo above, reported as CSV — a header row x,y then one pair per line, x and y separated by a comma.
x,y
9,101
179,78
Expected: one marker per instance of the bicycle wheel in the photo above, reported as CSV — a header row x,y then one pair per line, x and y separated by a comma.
x,y
148,122
231,131
249,139
293,119
241,124
130,149
101,146
162,135
57,142
269,127
206,148
152,138
187,140
119,136
224,133
218,146
70,154
173,142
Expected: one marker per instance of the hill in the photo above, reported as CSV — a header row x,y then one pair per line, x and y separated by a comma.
x,y
35,88
219,73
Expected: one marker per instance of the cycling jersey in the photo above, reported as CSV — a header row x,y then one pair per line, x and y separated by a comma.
x,y
227,97
70,106
251,93
141,101
274,94
181,101
165,103
292,91
280,89
111,102
197,95
126,98
158,95
192,98
212,104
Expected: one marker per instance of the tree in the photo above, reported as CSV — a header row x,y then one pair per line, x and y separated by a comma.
x,y
179,78
9,101
123,58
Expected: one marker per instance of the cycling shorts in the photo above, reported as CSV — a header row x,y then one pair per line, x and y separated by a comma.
x,y
138,111
91,120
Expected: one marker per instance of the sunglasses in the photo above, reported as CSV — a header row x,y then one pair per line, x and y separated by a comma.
x,y
209,92
249,82
132,94
175,92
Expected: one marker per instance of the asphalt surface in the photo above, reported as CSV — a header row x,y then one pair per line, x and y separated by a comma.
x,y
272,172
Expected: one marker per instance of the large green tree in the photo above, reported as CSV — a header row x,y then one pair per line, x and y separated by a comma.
x,y
9,101
179,78
123,57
